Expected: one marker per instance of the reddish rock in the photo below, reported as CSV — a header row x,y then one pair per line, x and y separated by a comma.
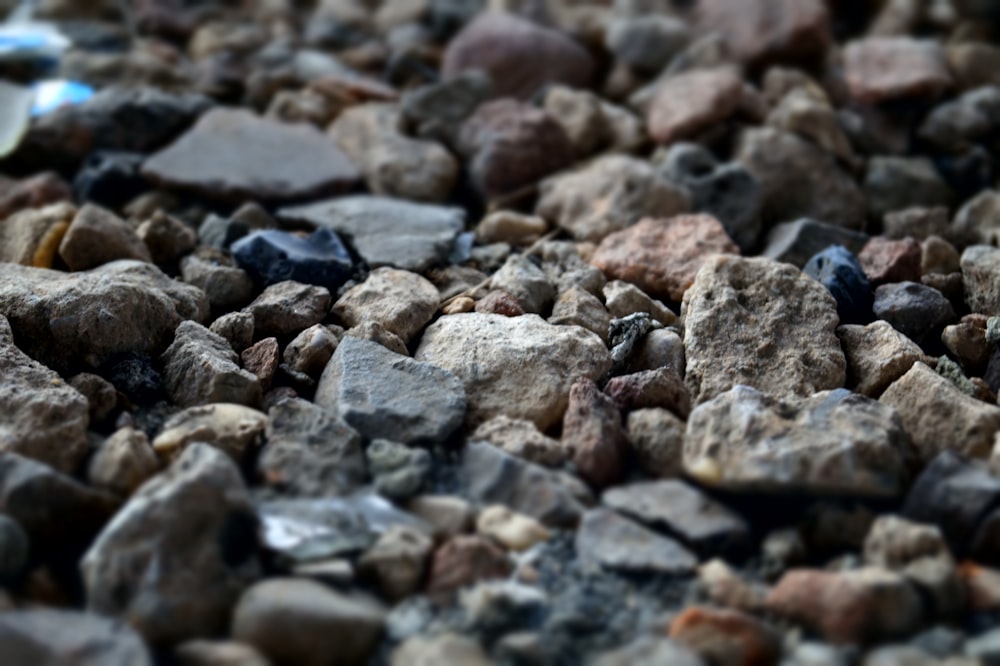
x,y
499,302
982,586
519,56
726,637
762,31
692,102
885,260
879,69
661,257
859,606
662,387
593,430
35,192
510,144
262,360
464,560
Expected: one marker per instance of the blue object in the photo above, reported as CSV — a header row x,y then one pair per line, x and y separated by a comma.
x,y
51,95
837,269
273,256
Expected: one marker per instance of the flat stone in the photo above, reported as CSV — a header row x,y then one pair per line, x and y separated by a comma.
x,y
201,368
234,155
387,232
692,102
834,441
877,355
797,242
401,301
762,31
271,256
939,417
50,636
759,323
97,236
288,308
384,395
179,553
880,69
236,430
295,621
610,540
65,319
485,351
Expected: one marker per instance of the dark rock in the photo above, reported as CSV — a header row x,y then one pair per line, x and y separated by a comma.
x,y
841,273
225,286
201,368
438,110
796,242
273,256
14,550
97,236
49,636
593,430
610,540
134,375
917,311
110,178
892,183
287,308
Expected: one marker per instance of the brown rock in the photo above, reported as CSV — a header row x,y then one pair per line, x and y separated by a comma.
x,y
97,236
878,69
689,103
592,428
726,637
32,236
464,560
657,438
885,260
662,387
518,55
759,31
877,355
499,302
262,360
982,585
34,192
662,257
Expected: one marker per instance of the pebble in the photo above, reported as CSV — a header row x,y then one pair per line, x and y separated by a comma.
x,y
97,236
175,577
45,635
167,238
939,256
398,471
727,637
123,462
201,368
31,237
36,191
894,183
225,286
484,351
514,531
234,429
916,222
692,102
271,256
578,307
236,328
296,621
887,261
843,276
646,43
14,550
522,280
507,226
401,301
967,342
917,311
448,648
109,178
977,221
376,332
462,561
397,561
623,299
882,69
607,539
310,350
797,242
807,111
761,31
261,359
760,323
447,515
521,438
287,308
835,440
592,429
877,355
229,155
656,436
662,387
436,110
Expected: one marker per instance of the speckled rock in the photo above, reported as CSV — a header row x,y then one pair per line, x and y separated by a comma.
x,y
578,307
691,102
201,368
523,279
622,299
401,301
485,351
287,308
167,238
980,276
763,324
877,355
887,260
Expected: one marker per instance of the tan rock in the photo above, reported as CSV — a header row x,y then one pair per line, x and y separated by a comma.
x,y
877,355
32,236
397,561
401,301
657,438
234,429
726,636
123,462
515,531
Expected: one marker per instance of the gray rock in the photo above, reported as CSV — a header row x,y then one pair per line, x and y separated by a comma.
x,y
967,120
796,242
399,472
893,183
526,282
980,277
438,109
401,301
200,368
610,540
647,43
521,367
294,621
309,452
226,287
494,477
384,395
49,636
763,324
64,319
41,416
834,441
387,232
167,238
235,429
656,436
521,438
917,311
101,395
179,553
97,236
288,308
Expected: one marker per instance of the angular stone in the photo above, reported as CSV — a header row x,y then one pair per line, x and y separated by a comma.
x,y
578,307
917,311
894,183
880,69
833,441
662,387
401,301
623,299
515,531
64,319
692,102
877,355
166,238
310,350
526,282
201,368
226,287
610,540
939,417
50,636
236,328
841,273
387,232
288,308
177,556
759,323
761,31
808,112
234,155
271,256
101,394
891,260
593,431
387,396
486,351
31,237
657,438
97,236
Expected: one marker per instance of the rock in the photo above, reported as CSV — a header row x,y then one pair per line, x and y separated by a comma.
x,y
763,31
14,550
916,222
226,287
375,332
882,605
288,308
607,195
939,417
917,311
494,477
101,394
886,261
894,542
646,43
978,221
881,69
507,226
399,300
939,256
462,561
261,359
521,438
177,556
123,462
835,440
582,116
230,155
691,102
385,395
726,636
41,417
509,144
578,307
447,515
662,387
166,238
310,350
398,472
387,232
843,276
656,436
519,56
526,282
967,342
445,649
222,232
31,237
663,256
980,270
236,328
294,621
499,302
134,376
397,561
436,110
799,179
394,164
514,531
649,651
982,585
797,242
808,112
36,191
623,299
483,350
217,653
310,453
271,256
607,539
50,636
96,236
235,429
201,368
593,431
877,355
65,319
759,323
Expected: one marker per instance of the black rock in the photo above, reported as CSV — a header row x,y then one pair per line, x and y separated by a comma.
x,y
796,242
109,178
14,548
917,311
837,269
273,256
134,375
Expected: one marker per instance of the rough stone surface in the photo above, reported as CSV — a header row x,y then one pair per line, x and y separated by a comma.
x,y
485,352
235,429
722,636
877,355
759,323
123,462
401,301
310,350
662,387
226,287
287,308
689,103
656,436
593,431
201,368
917,311
797,242
891,260
31,237
610,540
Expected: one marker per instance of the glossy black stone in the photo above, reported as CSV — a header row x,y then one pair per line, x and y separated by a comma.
x,y
837,269
273,256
